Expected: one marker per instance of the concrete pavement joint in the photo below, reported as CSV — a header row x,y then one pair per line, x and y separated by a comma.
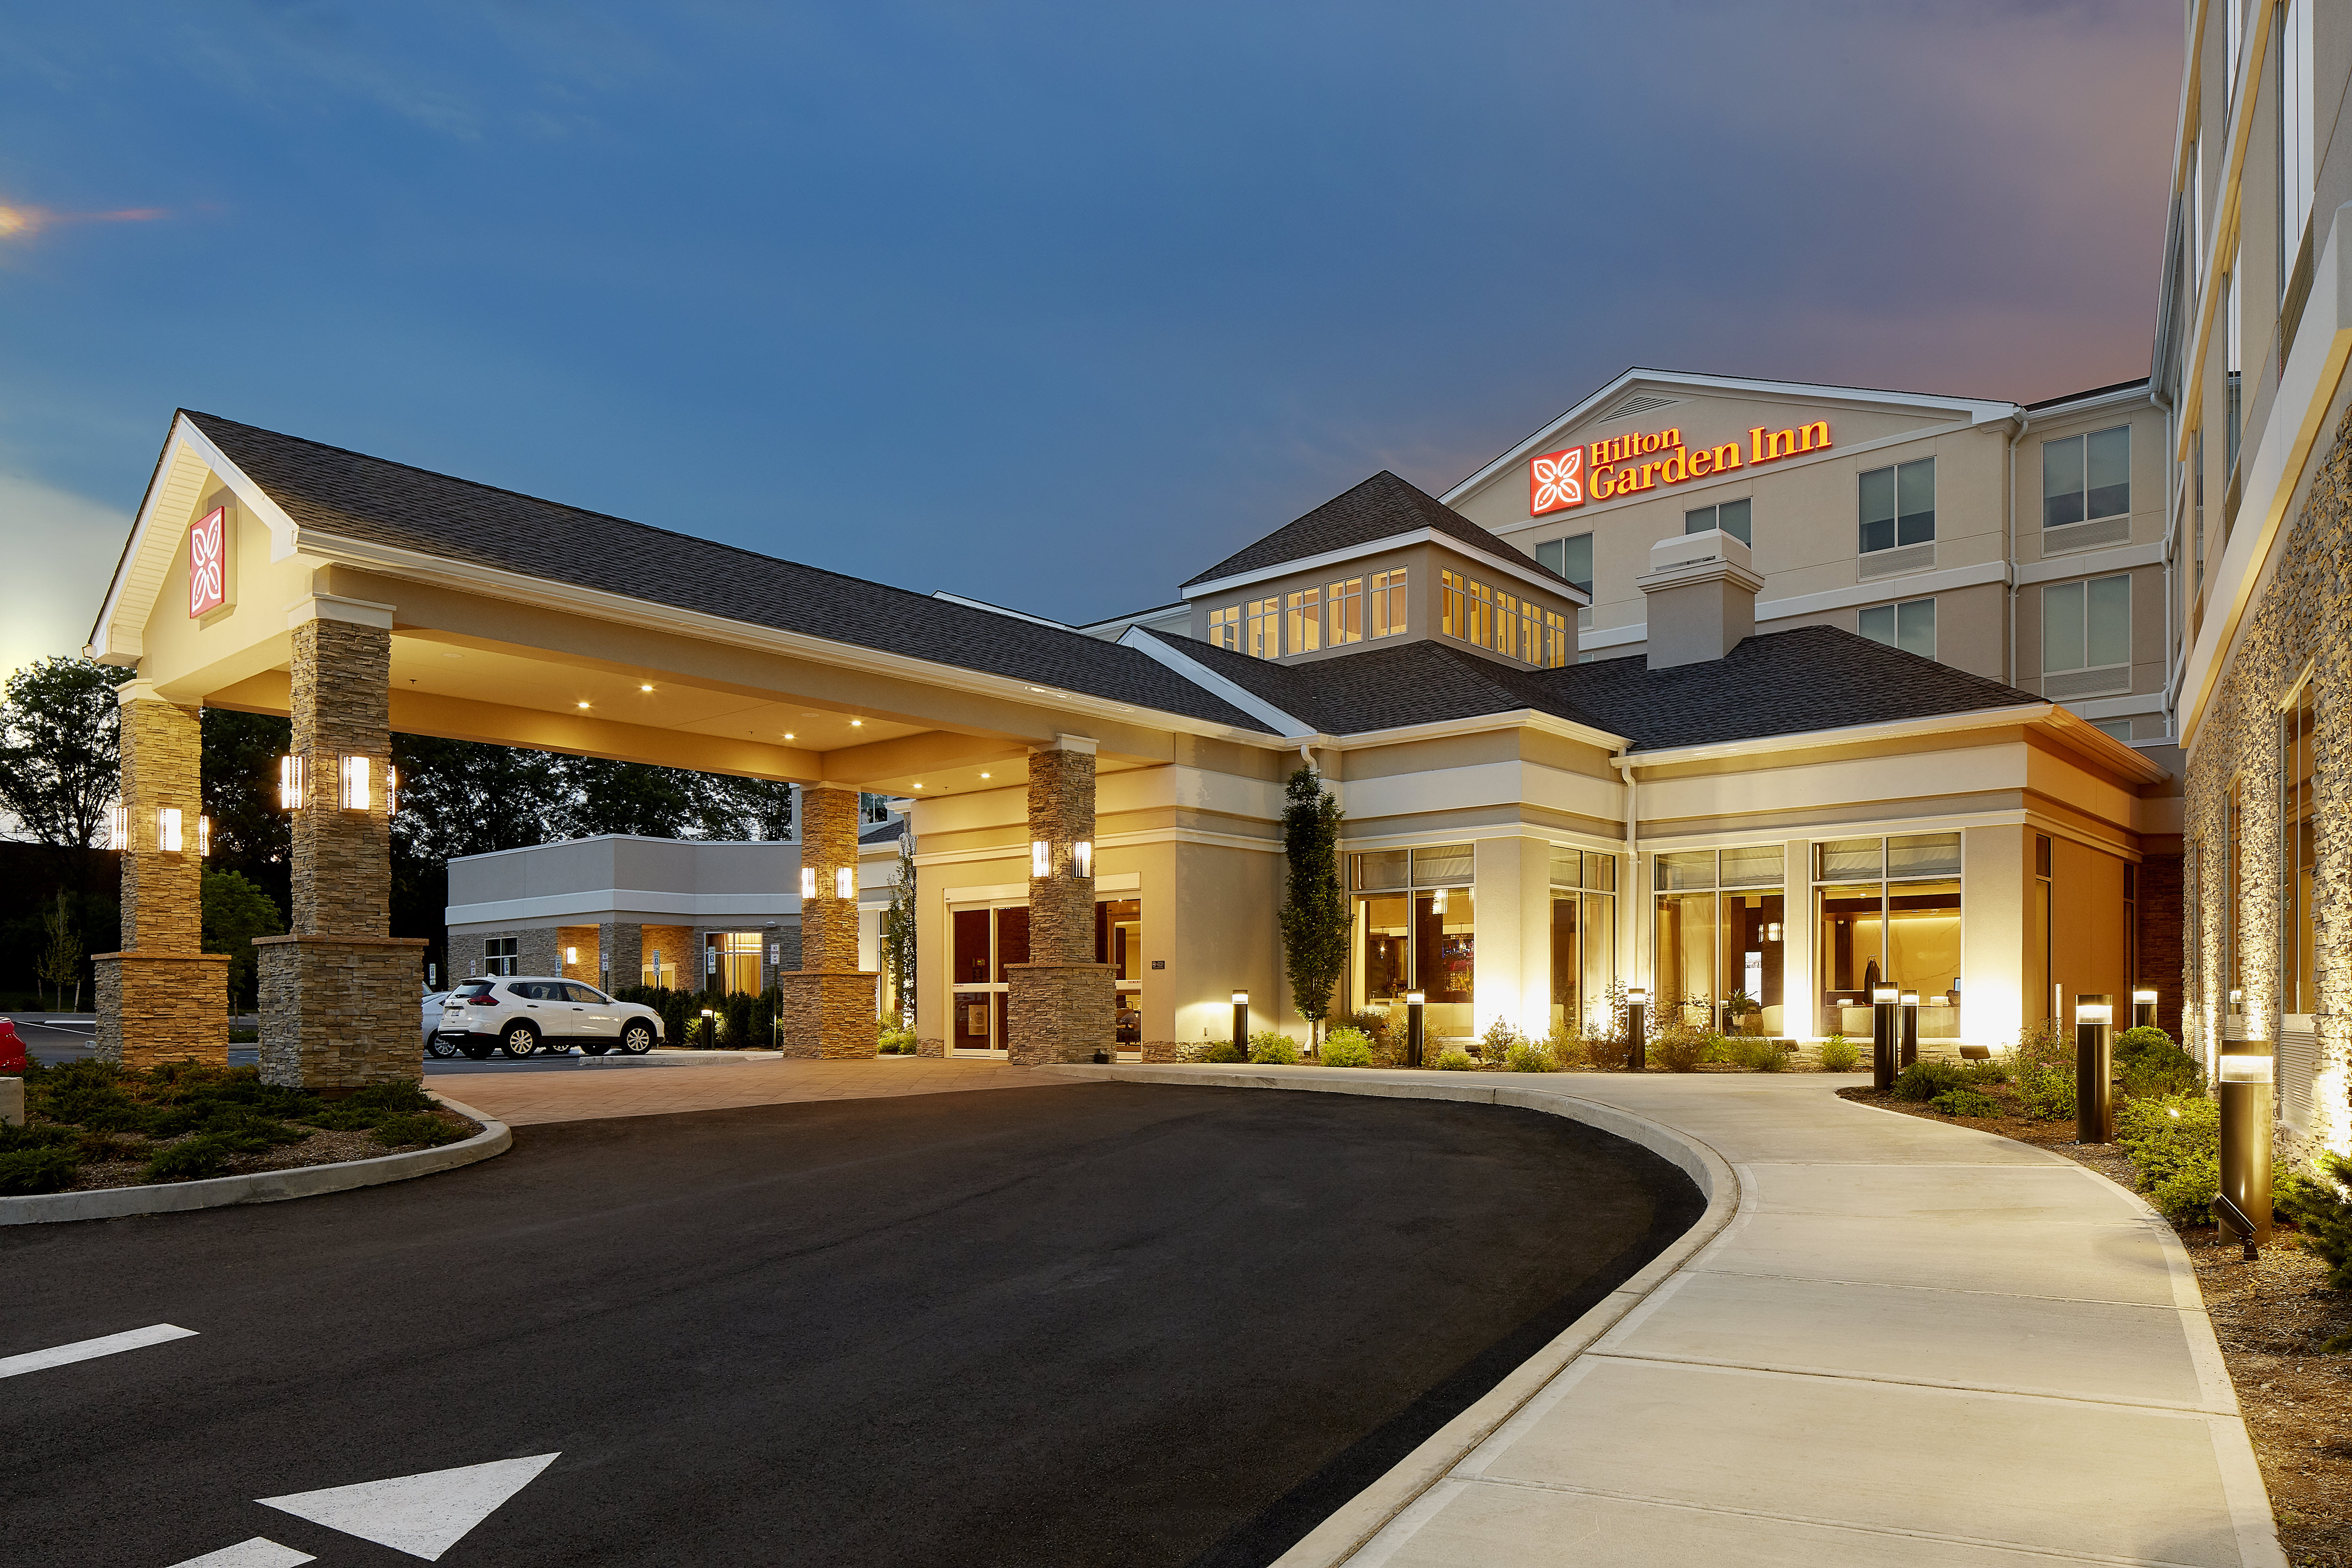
x,y
1771,1368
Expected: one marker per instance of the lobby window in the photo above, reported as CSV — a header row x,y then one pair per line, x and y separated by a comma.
x,y
498,956
1584,941
1262,629
1415,928
1887,912
1305,632
1721,932
1909,626
1571,558
1898,505
1384,604
2299,856
1225,627
2086,477
1730,516
2086,626
1345,602
731,962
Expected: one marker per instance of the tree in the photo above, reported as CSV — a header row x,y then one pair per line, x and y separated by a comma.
x,y
251,835
61,750
235,912
898,931
1315,910
61,959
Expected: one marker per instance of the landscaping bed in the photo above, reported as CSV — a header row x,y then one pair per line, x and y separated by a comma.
x,y
2283,1332
91,1125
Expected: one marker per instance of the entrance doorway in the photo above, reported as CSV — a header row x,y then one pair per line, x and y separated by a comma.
x,y
984,942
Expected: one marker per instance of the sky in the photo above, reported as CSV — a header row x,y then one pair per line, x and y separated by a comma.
x,y
1048,305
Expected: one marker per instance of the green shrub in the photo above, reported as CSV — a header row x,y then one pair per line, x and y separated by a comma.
x,y
1225,1052
2048,1092
1993,1070
2140,1037
1496,1045
43,1168
1347,1048
1760,1056
2318,1206
194,1159
249,1132
1528,1057
1270,1048
32,1135
1839,1055
1568,1046
2186,1197
2160,1071
2164,1136
1965,1102
895,1042
1680,1049
390,1097
1454,1058
1927,1077
424,1132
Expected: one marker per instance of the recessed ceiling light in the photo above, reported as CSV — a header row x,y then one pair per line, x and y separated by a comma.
x,y
583,705
644,689
983,775
919,786
787,734
857,723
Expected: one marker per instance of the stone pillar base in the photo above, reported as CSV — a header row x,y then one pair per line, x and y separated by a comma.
x,y
340,1011
1058,1013
1160,1053
162,1007
936,1050
827,1012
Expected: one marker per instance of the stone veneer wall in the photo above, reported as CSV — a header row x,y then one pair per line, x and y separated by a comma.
x,y
342,859
675,944
161,999
1062,813
829,842
620,948
2304,617
539,951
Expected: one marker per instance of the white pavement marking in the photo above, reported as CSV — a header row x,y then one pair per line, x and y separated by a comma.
x,y
258,1552
83,1349
422,1515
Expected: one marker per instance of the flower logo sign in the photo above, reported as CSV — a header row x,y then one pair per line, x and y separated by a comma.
x,y
207,563
1556,482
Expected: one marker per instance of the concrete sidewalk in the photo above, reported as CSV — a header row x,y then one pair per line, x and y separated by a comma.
x,y
1912,1342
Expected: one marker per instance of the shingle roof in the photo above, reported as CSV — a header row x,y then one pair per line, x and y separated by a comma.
x,y
882,832
1381,507
1776,683
351,495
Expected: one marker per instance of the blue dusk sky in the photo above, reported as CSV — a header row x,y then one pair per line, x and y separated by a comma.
x,y
1050,305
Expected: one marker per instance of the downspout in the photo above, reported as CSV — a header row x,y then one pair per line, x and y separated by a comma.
x,y
2172,532
2009,515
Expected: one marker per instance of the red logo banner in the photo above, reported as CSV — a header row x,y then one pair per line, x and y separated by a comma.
x,y
207,563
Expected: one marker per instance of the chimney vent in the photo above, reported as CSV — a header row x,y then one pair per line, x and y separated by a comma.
x,y
1701,589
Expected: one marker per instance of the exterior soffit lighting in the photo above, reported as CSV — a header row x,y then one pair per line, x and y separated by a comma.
x,y
983,775
857,723
644,687
787,734
580,705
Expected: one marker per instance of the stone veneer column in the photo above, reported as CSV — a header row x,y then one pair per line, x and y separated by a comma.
x,y
621,955
826,1006
339,995
1060,1007
162,998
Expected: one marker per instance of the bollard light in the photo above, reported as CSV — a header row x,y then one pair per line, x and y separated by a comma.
x,y
1241,1023
1637,1027
1910,1005
2144,1009
1414,1025
1884,1026
2243,1207
2095,1108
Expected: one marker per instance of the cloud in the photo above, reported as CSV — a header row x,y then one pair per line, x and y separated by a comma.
x,y
60,549
18,222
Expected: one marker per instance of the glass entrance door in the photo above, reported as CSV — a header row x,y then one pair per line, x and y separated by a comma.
x,y
983,942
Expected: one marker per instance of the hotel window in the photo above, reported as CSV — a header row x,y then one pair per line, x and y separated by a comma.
x,y
2293,125
1721,934
1571,558
2121,729
1507,627
1384,604
733,962
2299,946
1584,941
1730,516
1909,626
1482,614
1225,627
2087,626
1415,929
2233,379
2086,477
498,956
1306,630
1468,609
1556,643
1898,505
2043,999
1887,913
1451,618
1262,629
1345,602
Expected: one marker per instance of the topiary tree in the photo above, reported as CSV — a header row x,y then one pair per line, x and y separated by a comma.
x,y
1315,911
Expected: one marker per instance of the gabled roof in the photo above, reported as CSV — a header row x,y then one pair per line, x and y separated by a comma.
x,y
343,495
1383,507
1776,683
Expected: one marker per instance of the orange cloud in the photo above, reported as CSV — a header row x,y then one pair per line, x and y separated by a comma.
x,y
24,222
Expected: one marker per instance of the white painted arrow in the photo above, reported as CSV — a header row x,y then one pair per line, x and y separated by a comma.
x,y
258,1552
422,1515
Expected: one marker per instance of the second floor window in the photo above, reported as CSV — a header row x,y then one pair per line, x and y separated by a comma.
x,y
1262,629
1730,516
1384,604
2086,626
1306,621
1910,625
1225,627
2084,477
1571,558
1898,505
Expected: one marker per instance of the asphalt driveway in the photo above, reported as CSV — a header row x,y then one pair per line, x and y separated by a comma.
x,y
1108,1323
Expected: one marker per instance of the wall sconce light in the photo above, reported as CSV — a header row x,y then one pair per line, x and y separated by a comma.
x,y
167,831
571,955
1041,858
1082,858
808,882
289,783
356,794
1772,930
118,828
845,883
204,838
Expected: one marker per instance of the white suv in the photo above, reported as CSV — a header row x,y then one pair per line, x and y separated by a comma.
x,y
522,1014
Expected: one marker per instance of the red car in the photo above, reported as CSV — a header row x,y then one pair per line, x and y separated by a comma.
x,y
12,1048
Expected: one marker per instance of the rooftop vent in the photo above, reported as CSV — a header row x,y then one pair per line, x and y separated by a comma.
x,y
1638,405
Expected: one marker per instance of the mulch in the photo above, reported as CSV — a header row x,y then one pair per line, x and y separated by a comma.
x,y
322,1148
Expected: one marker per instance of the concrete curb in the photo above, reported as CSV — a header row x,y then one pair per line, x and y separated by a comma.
x,y
1348,1530
264,1186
